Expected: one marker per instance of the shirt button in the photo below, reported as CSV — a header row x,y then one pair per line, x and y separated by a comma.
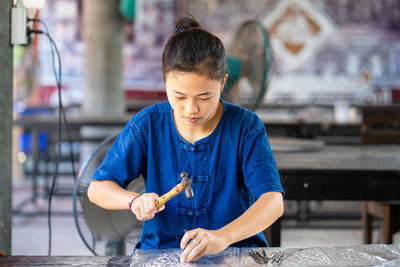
x,y
190,212
192,148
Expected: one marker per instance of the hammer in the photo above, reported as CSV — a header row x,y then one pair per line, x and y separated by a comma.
x,y
185,184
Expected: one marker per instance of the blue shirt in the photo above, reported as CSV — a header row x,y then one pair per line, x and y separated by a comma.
x,y
229,169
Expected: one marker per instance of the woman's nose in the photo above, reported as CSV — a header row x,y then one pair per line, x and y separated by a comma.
x,y
191,107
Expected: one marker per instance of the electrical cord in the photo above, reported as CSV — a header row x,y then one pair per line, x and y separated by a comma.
x,y
58,81
61,114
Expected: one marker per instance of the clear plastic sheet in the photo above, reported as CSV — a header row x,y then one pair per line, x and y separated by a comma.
x,y
362,255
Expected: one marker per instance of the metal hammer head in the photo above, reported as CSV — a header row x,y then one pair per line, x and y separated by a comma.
x,y
187,184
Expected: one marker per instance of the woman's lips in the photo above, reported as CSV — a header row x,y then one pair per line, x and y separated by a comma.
x,y
191,120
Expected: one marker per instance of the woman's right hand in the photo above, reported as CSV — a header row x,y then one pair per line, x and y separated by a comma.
x,y
144,206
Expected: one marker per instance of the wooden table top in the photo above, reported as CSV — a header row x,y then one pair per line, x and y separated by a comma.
x,y
351,157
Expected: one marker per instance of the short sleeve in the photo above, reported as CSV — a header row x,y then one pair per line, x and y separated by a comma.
x,y
259,167
125,159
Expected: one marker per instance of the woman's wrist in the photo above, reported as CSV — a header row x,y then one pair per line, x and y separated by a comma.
x,y
132,200
226,236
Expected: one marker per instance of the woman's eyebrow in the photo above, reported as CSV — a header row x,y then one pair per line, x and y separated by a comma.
x,y
179,93
202,94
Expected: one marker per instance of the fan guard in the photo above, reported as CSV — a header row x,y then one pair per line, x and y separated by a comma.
x,y
249,60
104,232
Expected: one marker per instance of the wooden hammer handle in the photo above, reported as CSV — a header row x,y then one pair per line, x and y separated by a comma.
x,y
173,192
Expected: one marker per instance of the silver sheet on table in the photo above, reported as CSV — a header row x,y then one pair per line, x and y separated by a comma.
x,y
362,255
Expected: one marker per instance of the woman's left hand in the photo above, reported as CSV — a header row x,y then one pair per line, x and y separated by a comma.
x,y
199,242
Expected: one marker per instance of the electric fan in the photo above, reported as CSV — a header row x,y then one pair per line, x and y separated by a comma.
x,y
248,60
104,232
249,63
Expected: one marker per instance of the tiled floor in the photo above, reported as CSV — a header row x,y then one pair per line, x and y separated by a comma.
x,y
30,233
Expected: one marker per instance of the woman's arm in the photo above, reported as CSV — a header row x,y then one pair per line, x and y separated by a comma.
x,y
266,210
110,195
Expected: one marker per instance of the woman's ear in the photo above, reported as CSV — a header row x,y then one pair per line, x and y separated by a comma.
x,y
224,82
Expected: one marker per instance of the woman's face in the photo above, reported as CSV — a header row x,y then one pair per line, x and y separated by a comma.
x,y
193,97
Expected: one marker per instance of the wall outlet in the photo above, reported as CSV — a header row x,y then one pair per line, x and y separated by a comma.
x,y
19,27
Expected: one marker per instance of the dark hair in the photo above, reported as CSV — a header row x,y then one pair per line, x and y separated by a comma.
x,y
193,49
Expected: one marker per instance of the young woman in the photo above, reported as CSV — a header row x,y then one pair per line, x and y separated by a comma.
x,y
223,147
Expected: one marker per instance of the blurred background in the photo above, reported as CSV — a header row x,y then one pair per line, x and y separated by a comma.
x,y
328,64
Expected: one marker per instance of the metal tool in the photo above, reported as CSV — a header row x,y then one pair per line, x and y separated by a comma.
x,y
185,184
264,258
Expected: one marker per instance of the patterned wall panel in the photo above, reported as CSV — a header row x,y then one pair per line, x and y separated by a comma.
x,y
358,59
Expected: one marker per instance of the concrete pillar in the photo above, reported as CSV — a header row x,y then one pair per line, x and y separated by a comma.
x,y
6,81
103,93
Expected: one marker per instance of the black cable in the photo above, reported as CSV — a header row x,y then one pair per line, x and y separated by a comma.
x,y
58,143
61,114
58,80
41,22
59,93
59,137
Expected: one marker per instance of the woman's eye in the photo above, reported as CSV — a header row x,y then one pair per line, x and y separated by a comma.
x,y
205,98
179,97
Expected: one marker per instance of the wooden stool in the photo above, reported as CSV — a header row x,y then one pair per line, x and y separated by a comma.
x,y
388,212
380,125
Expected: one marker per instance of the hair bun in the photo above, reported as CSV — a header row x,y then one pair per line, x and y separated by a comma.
x,y
185,23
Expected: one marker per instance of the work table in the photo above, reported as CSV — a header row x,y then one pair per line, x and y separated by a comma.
x,y
360,255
